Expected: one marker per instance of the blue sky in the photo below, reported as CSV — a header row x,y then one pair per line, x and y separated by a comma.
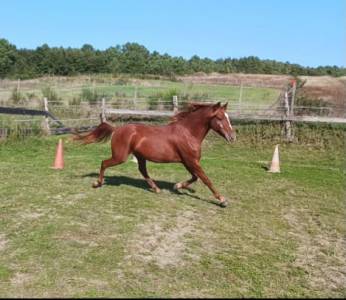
x,y
307,32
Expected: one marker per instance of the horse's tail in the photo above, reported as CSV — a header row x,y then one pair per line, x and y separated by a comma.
x,y
101,133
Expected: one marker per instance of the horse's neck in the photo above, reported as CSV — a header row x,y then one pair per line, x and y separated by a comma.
x,y
198,127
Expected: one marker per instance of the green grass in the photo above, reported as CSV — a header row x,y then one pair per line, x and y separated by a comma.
x,y
281,236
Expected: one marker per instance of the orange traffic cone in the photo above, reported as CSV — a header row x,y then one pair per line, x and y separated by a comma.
x,y
275,166
59,156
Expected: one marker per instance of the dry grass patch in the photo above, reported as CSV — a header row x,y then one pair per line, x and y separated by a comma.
x,y
3,241
161,241
321,253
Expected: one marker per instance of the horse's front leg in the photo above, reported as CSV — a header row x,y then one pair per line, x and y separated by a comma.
x,y
187,183
197,170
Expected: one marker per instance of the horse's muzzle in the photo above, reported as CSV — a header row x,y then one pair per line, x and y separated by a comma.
x,y
231,137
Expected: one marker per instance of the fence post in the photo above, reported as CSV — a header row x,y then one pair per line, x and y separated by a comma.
x,y
103,111
288,125
135,98
293,94
46,127
175,104
240,97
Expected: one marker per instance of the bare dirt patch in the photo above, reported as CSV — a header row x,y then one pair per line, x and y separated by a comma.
x,y
20,279
322,255
32,215
160,243
82,237
255,80
3,242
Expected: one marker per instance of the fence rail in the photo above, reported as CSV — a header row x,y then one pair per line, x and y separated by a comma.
x,y
233,116
22,111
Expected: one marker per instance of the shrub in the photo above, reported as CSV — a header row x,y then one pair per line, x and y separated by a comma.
x,y
30,96
163,99
122,81
50,94
75,101
16,96
311,106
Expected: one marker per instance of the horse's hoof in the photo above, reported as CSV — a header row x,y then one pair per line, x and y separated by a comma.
x,y
96,184
157,190
223,203
177,186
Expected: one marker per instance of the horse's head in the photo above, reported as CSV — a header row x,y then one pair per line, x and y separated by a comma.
x,y
221,123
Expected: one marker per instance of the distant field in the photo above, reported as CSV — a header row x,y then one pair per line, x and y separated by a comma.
x,y
282,235
114,88
326,88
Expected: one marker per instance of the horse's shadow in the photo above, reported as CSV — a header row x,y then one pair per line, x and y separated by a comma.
x,y
142,184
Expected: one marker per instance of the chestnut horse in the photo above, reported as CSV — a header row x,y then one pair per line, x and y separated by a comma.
x,y
179,142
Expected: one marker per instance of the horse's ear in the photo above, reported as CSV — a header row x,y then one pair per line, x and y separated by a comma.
x,y
216,106
225,105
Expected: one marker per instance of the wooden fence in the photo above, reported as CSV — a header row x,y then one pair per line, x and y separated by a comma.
x,y
283,111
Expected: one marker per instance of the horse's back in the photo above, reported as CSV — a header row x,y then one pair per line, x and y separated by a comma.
x,y
148,131
154,143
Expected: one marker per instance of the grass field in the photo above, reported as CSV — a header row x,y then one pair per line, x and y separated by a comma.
x,y
283,235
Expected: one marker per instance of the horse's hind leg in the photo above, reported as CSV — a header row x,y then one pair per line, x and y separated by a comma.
x,y
142,167
106,164
120,146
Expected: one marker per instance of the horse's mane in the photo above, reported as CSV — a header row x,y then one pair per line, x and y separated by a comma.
x,y
191,107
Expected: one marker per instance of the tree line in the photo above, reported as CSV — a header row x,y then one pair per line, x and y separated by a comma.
x,y
133,58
